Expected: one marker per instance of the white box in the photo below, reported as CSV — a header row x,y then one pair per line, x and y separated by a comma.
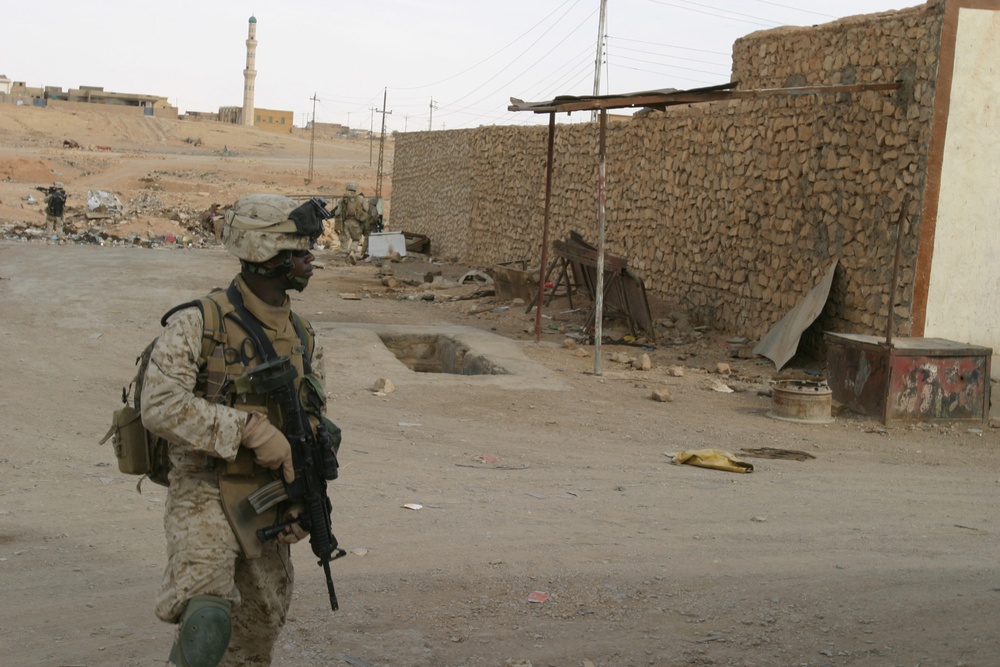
x,y
385,243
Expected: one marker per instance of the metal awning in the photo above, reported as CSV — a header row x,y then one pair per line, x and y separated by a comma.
x,y
651,99
661,99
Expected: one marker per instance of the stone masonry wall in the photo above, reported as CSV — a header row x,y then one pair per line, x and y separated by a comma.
x,y
732,210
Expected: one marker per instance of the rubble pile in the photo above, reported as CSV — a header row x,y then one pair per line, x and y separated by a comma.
x,y
104,220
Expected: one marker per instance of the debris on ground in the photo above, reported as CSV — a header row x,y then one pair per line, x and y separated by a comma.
x,y
716,459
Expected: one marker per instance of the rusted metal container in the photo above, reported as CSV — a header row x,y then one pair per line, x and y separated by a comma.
x,y
801,401
910,380
513,280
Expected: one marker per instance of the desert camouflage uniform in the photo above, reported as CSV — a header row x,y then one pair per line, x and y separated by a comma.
x,y
204,557
53,223
352,214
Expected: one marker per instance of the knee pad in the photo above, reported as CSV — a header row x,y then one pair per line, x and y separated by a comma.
x,y
205,631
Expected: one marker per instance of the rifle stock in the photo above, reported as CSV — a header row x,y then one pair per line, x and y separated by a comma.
x,y
314,461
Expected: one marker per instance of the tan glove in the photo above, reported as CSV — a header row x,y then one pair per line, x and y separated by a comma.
x,y
269,446
295,532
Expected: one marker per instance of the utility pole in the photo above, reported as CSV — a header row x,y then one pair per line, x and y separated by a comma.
x,y
430,122
371,135
600,56
381,146
312,142
406,121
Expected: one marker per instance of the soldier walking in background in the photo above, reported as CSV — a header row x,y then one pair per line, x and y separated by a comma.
x,y
55,204
351,216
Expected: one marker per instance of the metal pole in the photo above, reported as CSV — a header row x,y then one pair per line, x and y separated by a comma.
x,y
545,228
371,136
893,287
312,142
381,144
602,195
600,56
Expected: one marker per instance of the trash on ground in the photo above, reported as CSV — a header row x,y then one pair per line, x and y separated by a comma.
x,y
475,276
383,386
715,459
101,204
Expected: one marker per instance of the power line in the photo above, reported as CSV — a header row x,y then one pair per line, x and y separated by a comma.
x,y
768,24
669,46
797,9
503,48
651,62
664,55
523,72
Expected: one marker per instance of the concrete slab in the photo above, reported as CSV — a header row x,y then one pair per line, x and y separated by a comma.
x,y
357,357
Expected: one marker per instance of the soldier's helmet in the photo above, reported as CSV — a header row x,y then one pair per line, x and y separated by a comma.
x,y
352,187
258,227
57,185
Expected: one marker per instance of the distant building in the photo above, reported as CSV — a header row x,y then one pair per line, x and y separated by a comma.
x,y
275,120
328,129
201,116
5,84
149,105
266,119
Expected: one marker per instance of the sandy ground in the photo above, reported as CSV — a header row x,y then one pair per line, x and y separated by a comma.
x,y
880,550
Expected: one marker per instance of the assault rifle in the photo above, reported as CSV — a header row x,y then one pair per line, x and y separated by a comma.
x,y
315,463
51,190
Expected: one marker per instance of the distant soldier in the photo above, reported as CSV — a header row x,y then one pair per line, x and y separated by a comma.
x,y
375,208
55,204
352,216
372,223
212,222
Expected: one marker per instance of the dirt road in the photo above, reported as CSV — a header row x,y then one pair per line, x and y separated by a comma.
x,y
881,550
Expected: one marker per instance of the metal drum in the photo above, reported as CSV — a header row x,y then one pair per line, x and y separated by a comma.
x,y
801,401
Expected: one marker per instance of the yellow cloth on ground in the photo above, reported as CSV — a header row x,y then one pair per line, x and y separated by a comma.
x,y
713,458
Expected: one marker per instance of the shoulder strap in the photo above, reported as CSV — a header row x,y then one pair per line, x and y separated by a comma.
x,y
308,338
250,323
253,327
213,311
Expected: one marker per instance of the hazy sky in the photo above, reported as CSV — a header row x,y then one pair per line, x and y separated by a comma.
x,y
468,56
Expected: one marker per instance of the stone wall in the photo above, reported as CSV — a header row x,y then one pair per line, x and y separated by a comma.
x,y
732,211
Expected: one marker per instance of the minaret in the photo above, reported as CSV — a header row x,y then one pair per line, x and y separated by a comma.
x,y
250,73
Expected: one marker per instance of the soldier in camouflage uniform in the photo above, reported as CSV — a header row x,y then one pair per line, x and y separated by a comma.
x,y
351,218
55,204
229,598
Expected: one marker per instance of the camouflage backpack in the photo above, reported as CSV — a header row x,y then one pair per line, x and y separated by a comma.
x,y
141,452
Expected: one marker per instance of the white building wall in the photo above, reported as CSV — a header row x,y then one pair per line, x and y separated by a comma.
x,y
963,299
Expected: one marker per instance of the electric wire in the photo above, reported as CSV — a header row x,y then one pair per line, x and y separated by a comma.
x,y
507,84
768,24
503,48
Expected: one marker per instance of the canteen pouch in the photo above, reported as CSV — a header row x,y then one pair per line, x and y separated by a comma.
x,y
128,437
